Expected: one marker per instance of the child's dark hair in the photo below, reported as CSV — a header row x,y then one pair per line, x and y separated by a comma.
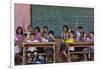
x,y
82,33
80,27
65,26
51,32
25,34
45,27
92,32
44,32
82,36
38,28
18,29
72,32
32,34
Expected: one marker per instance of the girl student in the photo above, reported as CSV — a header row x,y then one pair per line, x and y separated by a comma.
x,y
18,44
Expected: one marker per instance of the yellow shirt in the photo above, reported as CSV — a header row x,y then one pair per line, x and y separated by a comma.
x,y
69,41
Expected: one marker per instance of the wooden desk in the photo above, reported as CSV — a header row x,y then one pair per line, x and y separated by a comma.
x,y
77,44
37,44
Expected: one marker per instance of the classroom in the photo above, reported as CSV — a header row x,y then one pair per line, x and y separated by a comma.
x,y
53,34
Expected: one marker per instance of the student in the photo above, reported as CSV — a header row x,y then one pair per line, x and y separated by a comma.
x,y
29,30
18,44
89,49
41,30
49,50
82,37
45,29
71,38
64,48
19,36
37,33
44,37
78,32
25,36
32,51
64,35
51,36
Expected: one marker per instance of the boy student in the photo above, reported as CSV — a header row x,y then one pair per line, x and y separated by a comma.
x,y
51,36
49,50
32,51
78,32
45,28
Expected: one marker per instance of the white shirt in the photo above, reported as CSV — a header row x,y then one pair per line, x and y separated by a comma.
x,y
78,35
44,40
32,48
28,34
16,47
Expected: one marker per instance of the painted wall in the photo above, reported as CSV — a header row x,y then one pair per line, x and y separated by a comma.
x,y
22,15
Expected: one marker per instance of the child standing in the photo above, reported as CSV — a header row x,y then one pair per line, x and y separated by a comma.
x,y
64,35
78,32
19,37
18,44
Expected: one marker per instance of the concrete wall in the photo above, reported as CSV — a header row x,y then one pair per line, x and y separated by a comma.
x,y
22,15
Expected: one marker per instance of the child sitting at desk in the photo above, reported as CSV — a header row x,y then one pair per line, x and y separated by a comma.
x,y
89,49
37,33
49,50
32,51
51,36
28,31
82,37
48,38
64,48
45,29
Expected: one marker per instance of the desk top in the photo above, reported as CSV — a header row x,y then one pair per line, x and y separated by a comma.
x,y
81,43
39,43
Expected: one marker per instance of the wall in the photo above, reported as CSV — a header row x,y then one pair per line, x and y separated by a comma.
x,y
22,15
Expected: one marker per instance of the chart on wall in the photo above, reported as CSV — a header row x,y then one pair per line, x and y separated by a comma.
x,y
56,16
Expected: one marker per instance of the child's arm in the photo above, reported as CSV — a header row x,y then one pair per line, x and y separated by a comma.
x,y
23,27
25,40
52,37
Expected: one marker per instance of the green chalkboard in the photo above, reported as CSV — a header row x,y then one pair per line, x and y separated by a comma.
x,y
56,16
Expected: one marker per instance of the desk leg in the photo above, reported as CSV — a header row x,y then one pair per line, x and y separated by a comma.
x,y
23,55
54,54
